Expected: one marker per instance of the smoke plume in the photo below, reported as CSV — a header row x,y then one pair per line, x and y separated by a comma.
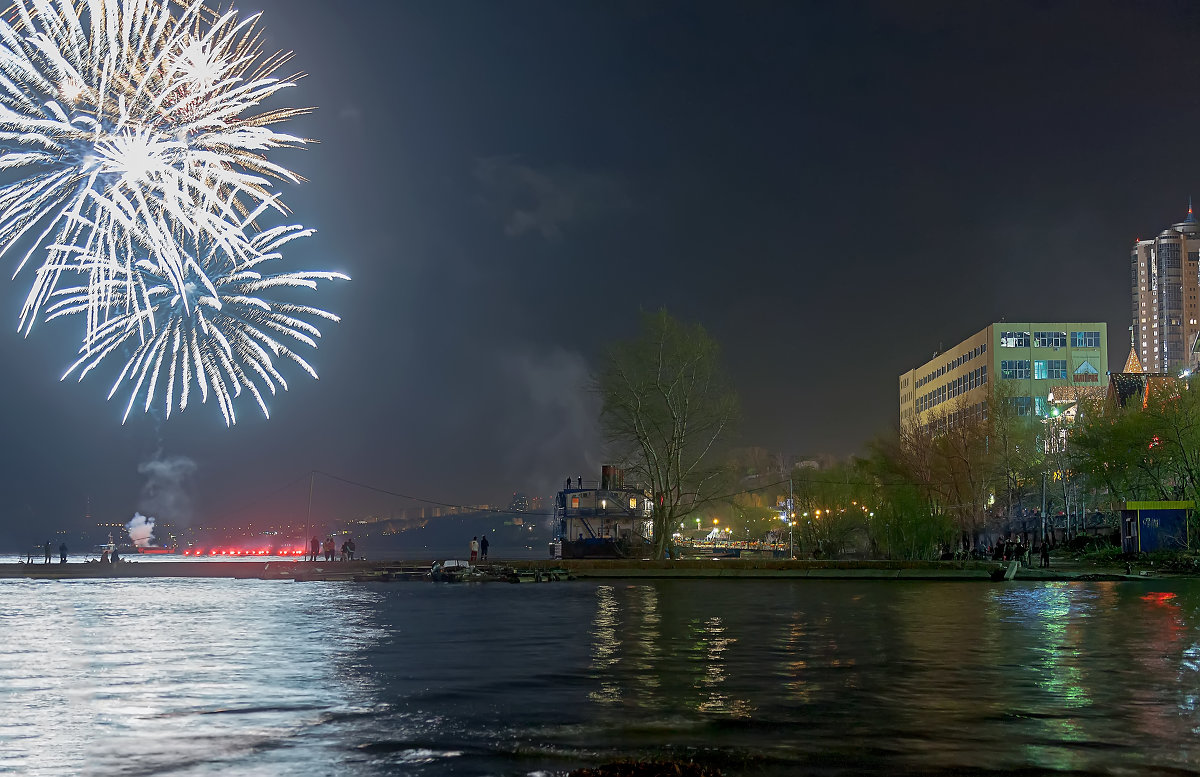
x,y
141,530
166,493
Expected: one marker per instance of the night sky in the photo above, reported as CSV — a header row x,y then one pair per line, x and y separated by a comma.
x,y
832,189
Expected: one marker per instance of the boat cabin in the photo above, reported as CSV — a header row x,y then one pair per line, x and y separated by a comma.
x,y
604,519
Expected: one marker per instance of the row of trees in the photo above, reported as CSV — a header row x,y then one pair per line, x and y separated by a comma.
x,y
975,473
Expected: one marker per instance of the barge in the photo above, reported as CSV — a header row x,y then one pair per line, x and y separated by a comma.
x,y
605,519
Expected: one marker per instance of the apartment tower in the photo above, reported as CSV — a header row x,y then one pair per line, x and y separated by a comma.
x,y
1165,280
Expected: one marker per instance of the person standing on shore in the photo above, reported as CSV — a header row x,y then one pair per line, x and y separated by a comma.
x,y
483,546
1045,555
47,551
62,553
315,546
474,549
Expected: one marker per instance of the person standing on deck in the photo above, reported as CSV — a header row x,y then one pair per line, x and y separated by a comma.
x,y
483,546
474,549
62,553
47,551
315,545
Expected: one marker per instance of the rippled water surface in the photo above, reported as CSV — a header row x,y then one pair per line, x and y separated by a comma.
x,y
206,677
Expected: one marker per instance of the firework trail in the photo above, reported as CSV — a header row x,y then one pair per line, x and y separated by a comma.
x,y
133,142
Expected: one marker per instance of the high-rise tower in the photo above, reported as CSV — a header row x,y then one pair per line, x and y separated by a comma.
x,y
1165,280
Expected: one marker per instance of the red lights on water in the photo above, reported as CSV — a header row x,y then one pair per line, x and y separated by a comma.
x,y
1159,597
241,552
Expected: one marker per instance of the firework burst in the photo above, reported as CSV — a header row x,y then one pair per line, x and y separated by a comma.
x,y
116,110
133,145
217,329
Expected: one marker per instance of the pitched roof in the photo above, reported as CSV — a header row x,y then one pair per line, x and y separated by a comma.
x,y
1133,364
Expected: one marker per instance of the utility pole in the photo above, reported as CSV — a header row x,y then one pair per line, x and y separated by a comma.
x,y
1043,506
791,522
312,474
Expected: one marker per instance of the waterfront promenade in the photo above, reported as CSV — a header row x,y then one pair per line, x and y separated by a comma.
x,y
366,571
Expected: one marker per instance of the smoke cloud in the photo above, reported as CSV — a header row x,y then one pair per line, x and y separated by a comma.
x,y
141,530
550,419
167,492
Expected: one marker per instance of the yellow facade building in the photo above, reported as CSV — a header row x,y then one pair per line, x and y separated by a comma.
x,y
1029,358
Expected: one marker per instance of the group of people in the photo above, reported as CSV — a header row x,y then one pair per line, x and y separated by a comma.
x,y
328,548
479,549
62,554
1008,549
1016,550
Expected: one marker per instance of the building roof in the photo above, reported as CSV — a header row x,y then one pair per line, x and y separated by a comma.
x,y
1123,386
1133,364
1069,392
1188,226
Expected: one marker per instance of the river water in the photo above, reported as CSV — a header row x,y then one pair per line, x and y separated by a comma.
x,y
246,677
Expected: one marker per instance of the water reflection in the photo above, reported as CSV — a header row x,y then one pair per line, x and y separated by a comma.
x,y
146,676
757,677
935,675
605,646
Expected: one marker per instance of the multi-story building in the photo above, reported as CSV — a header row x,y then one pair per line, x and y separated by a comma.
x,y
1165,281
1030,359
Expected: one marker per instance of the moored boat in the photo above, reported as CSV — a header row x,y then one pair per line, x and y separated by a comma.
x,y
608,519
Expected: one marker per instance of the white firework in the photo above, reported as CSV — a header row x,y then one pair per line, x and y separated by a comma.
x,y
215,328
125,116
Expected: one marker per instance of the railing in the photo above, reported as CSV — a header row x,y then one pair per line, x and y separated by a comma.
x,y
595,485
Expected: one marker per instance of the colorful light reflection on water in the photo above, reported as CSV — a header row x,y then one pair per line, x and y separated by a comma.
x,y
206,677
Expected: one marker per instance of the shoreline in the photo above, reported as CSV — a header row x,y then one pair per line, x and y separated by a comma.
x,y
584,569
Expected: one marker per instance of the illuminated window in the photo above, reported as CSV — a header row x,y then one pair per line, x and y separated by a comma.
x,y
1014,339
1050,339
574,501
1014,369
632,503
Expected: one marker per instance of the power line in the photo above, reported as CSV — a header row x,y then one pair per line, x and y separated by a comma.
x,y
264,497
473,508
497,511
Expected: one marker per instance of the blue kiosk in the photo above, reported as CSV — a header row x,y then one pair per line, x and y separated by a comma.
x,y
1148,526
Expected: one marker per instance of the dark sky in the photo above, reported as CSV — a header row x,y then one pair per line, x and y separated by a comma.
x,y
832,189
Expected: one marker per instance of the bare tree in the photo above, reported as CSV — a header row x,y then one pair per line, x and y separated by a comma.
x,y
666,408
